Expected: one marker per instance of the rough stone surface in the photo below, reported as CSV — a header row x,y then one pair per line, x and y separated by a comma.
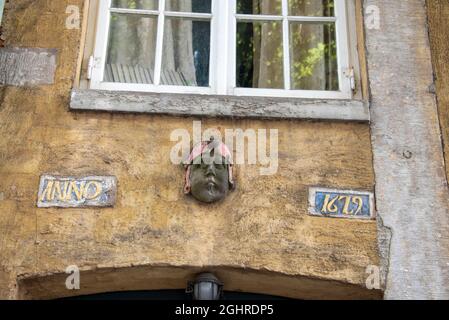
x,y
260,234
27,67
384,241
219,106
411,188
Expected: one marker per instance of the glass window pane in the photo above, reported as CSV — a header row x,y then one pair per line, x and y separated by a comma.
x,y
186,52
268,7
260,55
135,4
197,6
313,54
131,49
315,8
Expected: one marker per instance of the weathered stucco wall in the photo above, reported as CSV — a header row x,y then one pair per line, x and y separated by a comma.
x,y
411,188
259,234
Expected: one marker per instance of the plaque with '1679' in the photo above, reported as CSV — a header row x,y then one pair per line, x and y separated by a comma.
x,y
334,203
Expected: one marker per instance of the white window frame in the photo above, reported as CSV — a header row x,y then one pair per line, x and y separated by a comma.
x,y
222,74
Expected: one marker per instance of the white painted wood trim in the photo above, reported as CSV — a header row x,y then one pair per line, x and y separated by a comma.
x,y
258,17
159,43
264,17
286,45
305,94
342,47
194,15
101,43
148,88
311,19
135,11
219,65
231,47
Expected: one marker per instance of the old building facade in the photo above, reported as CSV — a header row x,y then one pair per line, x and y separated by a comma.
x,y
355,206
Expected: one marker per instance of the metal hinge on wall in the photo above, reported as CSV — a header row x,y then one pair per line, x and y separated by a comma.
x,y
349,73
93,63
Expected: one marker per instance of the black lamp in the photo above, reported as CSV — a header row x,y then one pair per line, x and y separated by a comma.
x,y
206,287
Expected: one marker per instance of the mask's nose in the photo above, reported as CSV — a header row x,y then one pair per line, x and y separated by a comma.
x,y
210,171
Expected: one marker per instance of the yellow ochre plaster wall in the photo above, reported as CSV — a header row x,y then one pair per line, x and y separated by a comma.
x,y
260,239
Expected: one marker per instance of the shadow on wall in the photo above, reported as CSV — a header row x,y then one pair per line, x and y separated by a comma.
x,y
164,295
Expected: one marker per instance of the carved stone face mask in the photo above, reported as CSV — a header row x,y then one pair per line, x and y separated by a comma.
x,y
209,172
210,179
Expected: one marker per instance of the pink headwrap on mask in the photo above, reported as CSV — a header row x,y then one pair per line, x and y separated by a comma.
x,y
206,147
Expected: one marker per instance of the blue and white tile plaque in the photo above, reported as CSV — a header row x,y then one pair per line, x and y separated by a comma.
x,y
335,203
77,192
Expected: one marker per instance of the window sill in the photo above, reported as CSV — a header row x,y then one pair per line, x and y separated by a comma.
x,y
219,106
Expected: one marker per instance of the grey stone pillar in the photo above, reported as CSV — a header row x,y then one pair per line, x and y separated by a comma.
x,y
411,188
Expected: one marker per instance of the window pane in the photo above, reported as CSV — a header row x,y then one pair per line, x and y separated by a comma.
x,y
131,49
316,8
186,52
260,55
136,4
198,6
269,7
313,54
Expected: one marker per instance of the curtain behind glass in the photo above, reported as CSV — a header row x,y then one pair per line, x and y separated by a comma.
x,y
178,44
132,42
132,46
313,52
268,48
313,56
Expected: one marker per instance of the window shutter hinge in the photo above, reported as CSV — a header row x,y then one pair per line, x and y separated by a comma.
x,y
349,73
93,63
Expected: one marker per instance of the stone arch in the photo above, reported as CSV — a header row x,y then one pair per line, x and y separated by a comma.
x,y
148,278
